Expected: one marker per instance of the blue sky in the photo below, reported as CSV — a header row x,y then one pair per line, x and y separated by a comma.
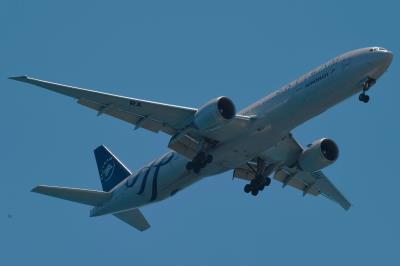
x,y
185,53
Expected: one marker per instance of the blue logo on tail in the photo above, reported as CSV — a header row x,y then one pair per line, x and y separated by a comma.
x,y
107,169
111,170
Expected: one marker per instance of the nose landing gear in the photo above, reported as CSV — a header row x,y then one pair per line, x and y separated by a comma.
x,y
363,97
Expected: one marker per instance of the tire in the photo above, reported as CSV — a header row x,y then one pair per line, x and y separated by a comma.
x,y
267,181
364,98
247,188
203,164
200,156
254,192
189,166
196,169
209,159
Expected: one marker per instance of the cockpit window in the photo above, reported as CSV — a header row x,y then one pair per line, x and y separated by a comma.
x,y
374,49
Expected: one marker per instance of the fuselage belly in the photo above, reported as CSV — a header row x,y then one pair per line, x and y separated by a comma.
x,y
276,115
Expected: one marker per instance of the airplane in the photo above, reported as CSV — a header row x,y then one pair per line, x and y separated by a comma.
x,y
256,143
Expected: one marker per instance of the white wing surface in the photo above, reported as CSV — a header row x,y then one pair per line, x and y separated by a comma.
x,y
134,218
316,183
284,156
153,116
173,120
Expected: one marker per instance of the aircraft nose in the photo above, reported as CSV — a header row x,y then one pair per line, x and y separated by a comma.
x,y
388,57
380,60
383,58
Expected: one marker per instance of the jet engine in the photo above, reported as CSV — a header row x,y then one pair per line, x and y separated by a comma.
x,y
215,113
318,155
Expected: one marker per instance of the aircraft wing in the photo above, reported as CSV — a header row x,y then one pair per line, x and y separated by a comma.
x,y
316,183
173,120
284,156
152,116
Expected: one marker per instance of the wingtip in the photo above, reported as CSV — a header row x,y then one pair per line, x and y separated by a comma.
x,y
19,78
145,228
36,189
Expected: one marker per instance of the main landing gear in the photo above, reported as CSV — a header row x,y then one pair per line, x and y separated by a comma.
x,y
261,179
256,185
199,162
366,85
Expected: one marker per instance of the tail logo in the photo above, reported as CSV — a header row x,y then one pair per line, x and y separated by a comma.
x,y
107,169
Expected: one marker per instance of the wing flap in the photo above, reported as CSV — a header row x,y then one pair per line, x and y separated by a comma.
x,y
244,172
300,180
130,117
329,190
312,183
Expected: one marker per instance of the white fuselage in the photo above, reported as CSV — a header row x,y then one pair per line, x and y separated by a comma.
x,y
275,116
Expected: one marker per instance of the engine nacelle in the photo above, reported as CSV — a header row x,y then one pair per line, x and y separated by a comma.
x,y
318,155
214,114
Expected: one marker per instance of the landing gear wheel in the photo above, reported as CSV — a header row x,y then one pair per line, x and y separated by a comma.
x,y
189,166
363,97
196,169
209,159
254,191
267,181
200,156
199,162
247,188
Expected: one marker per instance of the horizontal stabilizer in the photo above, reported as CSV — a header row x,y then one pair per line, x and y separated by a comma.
x,y
134,218
84,196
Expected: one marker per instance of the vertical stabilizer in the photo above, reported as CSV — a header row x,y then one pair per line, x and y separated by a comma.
x,y
111,170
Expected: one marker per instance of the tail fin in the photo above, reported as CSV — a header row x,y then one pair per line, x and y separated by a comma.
x,y
111,170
